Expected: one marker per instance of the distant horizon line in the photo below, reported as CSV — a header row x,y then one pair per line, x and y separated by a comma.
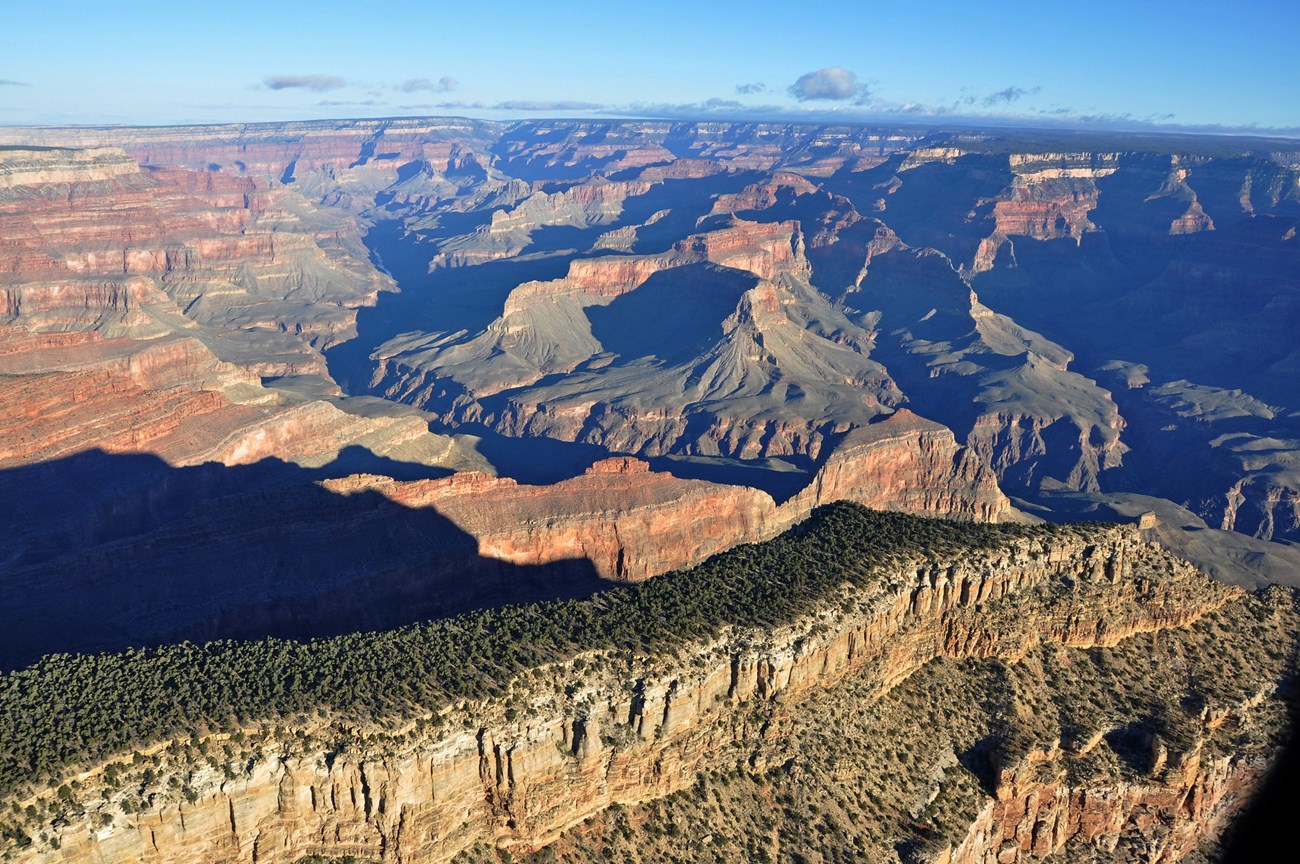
x,y
927,124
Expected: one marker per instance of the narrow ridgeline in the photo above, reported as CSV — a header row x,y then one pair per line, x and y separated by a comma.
x,y
1046,688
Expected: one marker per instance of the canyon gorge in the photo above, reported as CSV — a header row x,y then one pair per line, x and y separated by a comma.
x,y
295,381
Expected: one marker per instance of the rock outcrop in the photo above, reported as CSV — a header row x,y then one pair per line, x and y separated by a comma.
x,y
631,523
1033,817
561,251
122,459
718,346
204,331
95,243
622,734
1050,199
66,393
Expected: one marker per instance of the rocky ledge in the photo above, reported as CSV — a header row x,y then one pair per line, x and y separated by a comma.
x,y
569,739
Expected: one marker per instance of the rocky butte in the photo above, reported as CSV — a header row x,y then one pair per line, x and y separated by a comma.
x,y
295,381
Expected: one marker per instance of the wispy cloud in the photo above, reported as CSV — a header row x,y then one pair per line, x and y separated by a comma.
x,y
751,88
5,82
1130,120
715,107
831,96
834,83
445,84
510,105
1009,95
318,83
456,105
954,115
543,105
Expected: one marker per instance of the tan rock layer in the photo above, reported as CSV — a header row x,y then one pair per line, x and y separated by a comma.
x,y
621,734
65,393
46,167
633,524
1031,819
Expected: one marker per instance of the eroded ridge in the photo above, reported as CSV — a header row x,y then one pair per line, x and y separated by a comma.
x,y
695,672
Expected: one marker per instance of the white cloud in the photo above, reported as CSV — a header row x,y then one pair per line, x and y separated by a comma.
x,y
834,83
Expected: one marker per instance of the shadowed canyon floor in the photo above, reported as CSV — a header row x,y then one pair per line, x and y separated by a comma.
x,y
304,379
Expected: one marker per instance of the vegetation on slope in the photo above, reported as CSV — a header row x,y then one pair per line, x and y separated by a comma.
x,y
75,710
853,776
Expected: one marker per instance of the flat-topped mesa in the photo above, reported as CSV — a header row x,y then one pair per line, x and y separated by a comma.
x,y
600,278
765,249
1052,166
760,196
681,169
584,203
509,230
276,151
614,728
918,156
19,167
1050,198
619,465
632,523
628,522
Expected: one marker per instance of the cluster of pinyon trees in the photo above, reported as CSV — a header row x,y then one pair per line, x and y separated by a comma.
x,y
70,710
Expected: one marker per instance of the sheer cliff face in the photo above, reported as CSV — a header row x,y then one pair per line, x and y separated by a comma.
x,y
90,533
979,781
94,242
1085,315
303,379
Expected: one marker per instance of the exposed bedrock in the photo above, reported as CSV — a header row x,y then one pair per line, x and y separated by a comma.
x,y
626,734
123,459
579,243
1033,817
95,243
719,346
631,523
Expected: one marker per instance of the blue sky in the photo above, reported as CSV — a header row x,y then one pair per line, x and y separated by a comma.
x,y
1103,63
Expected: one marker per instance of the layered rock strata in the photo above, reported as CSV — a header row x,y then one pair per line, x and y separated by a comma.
x,y
518,772
631,523
255,233
1034,815
66,393
123,459
95,243
1142,751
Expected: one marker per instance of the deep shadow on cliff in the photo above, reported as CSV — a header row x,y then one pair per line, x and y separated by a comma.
x,y
102,552
1266,825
